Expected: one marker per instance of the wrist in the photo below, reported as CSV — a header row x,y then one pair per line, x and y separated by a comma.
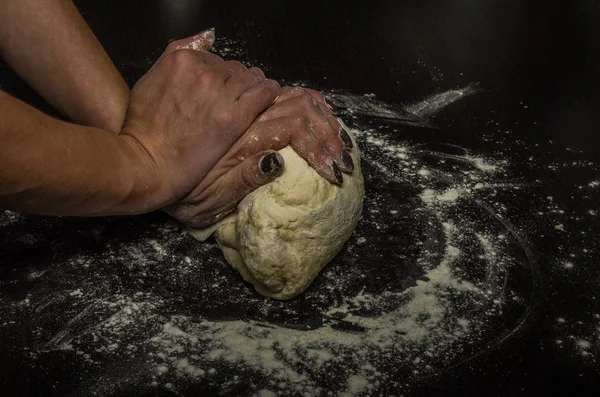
x,y
147,189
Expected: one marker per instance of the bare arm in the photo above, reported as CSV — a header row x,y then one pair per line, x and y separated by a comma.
x,y
184,115
48,43
56,168
183,118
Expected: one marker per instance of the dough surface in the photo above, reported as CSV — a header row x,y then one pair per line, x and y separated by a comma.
x,y
285,232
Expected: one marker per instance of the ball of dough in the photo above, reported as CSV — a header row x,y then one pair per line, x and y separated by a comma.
x,y
285,232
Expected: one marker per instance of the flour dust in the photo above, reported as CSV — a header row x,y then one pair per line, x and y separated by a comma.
x,y
436,274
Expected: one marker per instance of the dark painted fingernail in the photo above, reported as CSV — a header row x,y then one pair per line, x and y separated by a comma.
x,y
330,106
347,159
337,174
270,163
346,140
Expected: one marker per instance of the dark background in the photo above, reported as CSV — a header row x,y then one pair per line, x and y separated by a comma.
x,y
542,53
537,62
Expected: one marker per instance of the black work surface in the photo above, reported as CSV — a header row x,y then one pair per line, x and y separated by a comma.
x,y
528,70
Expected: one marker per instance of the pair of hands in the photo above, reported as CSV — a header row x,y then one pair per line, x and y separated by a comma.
x,y
209,130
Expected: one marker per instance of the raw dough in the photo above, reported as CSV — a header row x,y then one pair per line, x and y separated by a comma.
x,y
285,232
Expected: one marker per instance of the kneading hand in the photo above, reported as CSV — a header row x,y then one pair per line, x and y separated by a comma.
x,y
187,112
299,118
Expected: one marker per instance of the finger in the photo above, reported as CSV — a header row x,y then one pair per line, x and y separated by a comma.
x,y
324,124
293,92
329,110
326,128
224,194
242,82
321,99
335,124
199,44
252,173
256,99
316,95
173,58
210,80
348,144
296,132
288,92
202,41
234,67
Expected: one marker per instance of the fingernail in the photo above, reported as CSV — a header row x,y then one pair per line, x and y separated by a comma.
x,y
346,139
347,159
337,174
330,106
270,163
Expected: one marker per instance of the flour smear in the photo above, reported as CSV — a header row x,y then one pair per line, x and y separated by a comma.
x,y
429,281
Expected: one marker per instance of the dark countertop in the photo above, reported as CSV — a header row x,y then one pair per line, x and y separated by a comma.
x,y
504,190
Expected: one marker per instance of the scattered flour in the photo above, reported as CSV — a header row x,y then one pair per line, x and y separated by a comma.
x,y
416,330
368,342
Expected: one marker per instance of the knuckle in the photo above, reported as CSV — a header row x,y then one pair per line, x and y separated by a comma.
x,y
206,77
273,86
297,90
258,72
288,92
308,102
174,46
236,65
315,94
299,122
178,58
226,119
248,178
249,77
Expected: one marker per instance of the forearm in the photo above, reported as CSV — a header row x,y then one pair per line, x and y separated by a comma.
x,y
49,44
55,168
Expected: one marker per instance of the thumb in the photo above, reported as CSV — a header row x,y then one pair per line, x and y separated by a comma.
x,y
223,195
240,181
256,171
